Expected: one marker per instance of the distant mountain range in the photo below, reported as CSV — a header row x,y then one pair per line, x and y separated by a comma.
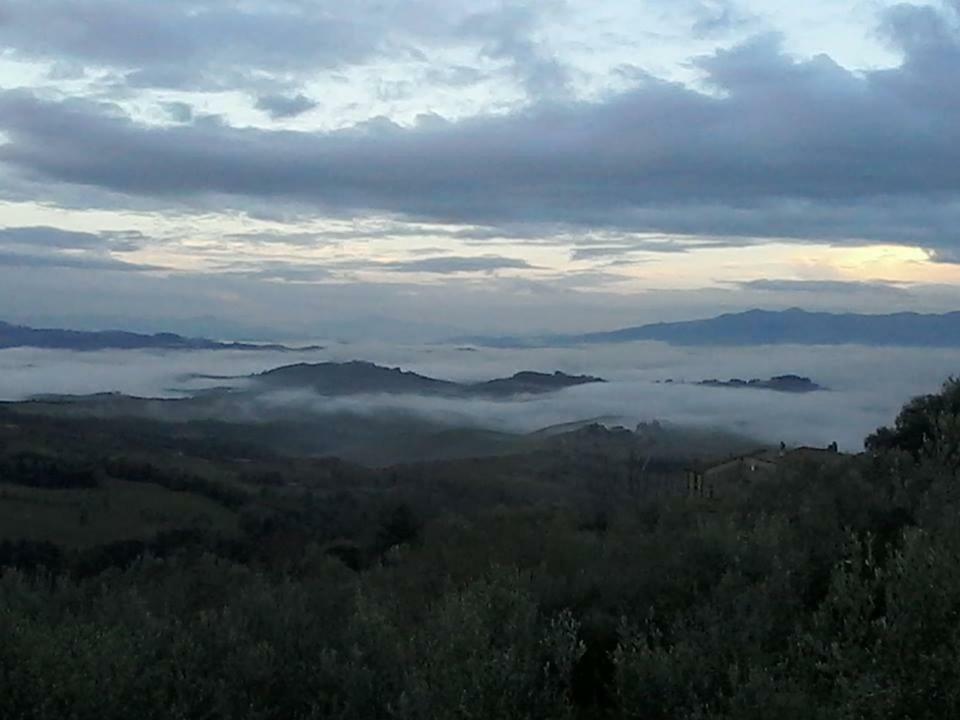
x,y
355,378
766,327
753,327
12,336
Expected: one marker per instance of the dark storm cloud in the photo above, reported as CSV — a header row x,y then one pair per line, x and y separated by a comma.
x,y
285,106
779,148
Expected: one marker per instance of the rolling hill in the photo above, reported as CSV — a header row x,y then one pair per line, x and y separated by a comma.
x,y
357,377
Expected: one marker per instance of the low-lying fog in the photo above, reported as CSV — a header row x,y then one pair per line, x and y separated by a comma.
x,y
867,386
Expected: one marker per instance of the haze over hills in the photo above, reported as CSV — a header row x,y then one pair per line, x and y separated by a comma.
x,y
12,336
251,414
770,327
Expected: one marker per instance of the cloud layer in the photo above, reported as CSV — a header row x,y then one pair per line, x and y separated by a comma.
x,y
769,146
473,166
41,246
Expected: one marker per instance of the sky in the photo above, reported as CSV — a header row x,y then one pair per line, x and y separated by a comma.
x,y
411,169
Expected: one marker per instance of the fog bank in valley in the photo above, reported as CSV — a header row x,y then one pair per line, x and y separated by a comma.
x,y
867,386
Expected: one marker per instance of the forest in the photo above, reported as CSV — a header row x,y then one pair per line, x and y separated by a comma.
x,y
147,574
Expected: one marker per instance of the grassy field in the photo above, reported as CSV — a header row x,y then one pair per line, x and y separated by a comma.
x,y
118,510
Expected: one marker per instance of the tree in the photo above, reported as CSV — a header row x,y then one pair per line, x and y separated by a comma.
x,y
928,428
400,526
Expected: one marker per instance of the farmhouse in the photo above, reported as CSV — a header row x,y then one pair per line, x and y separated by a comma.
x,y
708,479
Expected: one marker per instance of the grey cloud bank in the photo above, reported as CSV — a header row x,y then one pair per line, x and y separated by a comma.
x,y
209,46
777,147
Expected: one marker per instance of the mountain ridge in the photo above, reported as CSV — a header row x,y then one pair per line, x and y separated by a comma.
x,y
14,336
793,326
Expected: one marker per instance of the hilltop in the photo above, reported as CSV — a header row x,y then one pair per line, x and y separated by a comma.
x,y
358,377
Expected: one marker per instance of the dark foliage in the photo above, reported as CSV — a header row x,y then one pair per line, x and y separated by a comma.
x,y
44,471
831,591
134,471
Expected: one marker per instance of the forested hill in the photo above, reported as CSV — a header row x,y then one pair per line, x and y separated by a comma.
x,y
358,377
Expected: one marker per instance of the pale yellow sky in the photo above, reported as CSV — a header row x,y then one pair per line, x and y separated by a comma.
x,y
198,243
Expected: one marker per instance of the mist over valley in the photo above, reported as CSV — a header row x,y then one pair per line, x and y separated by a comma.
x,y
865,385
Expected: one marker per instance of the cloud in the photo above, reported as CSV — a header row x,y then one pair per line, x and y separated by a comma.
x,y
188,45
41,246
600,252
714,17
50,237
947,256
451,265
778,148
180,112
280,237
844,287
300,271
209,45
64,260
628,245
506,33
274,270
582,279
285,106
45,237
456,76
